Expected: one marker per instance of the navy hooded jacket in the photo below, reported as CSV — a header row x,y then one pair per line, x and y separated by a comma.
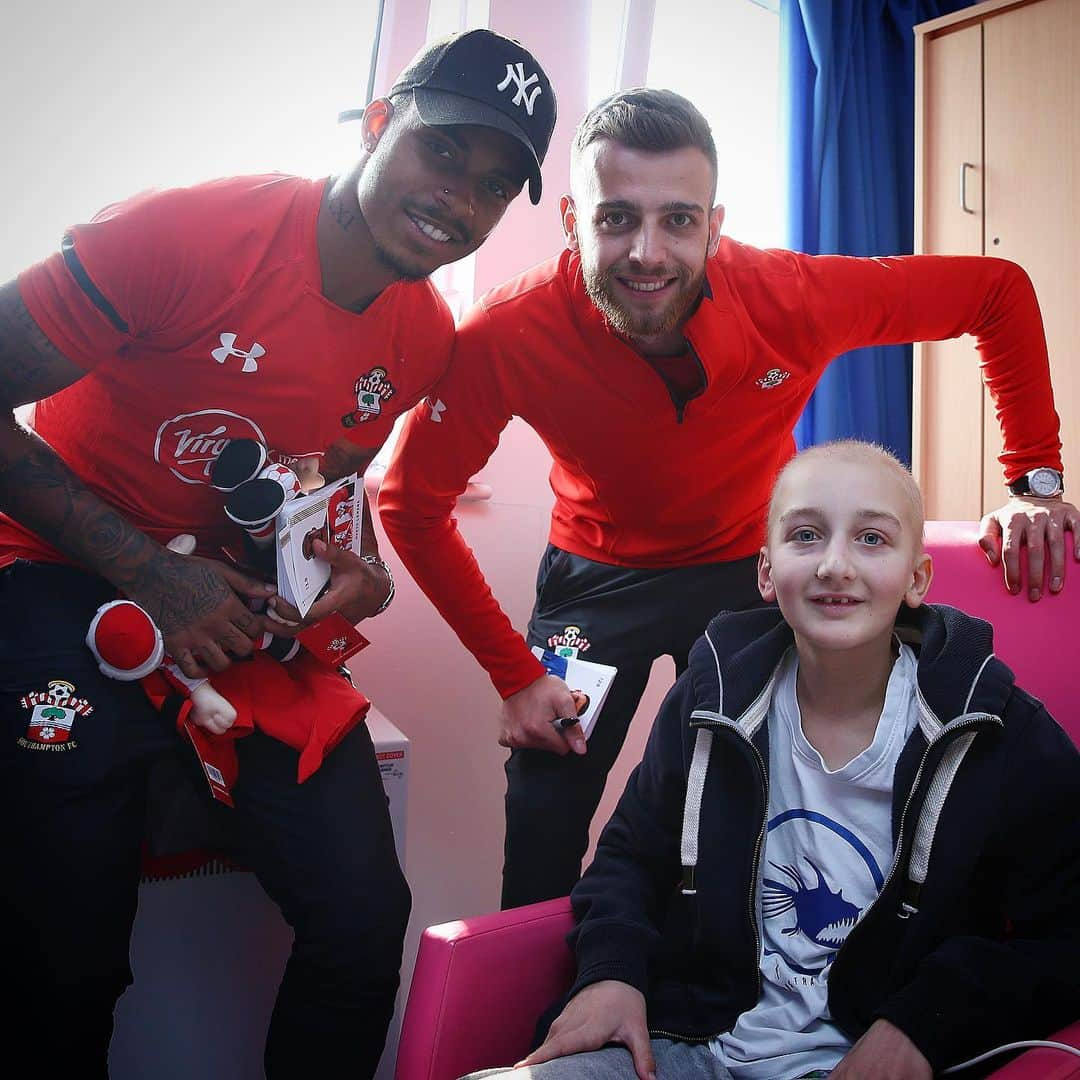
x,y
974,939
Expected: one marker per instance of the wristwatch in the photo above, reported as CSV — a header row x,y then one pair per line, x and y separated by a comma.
x,y
376,560
1040,483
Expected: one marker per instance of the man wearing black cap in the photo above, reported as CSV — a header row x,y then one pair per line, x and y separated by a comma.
x,y
296,313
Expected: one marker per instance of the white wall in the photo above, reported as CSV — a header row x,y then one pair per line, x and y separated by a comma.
x,y
106,99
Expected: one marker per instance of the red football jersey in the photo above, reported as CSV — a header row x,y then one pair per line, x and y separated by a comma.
x,y
199,317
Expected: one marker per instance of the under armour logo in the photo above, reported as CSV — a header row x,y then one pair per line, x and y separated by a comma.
x,y
515,74
228,348
438,407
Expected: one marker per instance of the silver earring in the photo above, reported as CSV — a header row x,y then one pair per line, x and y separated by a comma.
x,y
446,191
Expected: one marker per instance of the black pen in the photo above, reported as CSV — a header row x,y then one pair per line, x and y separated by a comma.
x,y
563,722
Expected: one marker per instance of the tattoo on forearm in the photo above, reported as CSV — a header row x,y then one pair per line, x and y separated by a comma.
x,y
186,589
44,495
25,352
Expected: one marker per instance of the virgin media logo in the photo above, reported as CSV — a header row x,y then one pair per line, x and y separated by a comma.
x,y
189,444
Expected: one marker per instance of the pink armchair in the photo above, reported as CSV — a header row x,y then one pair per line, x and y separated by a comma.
x,y
480,984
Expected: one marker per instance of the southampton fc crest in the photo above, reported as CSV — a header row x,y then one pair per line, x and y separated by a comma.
x,y
371,391
569,643
52,716
772,378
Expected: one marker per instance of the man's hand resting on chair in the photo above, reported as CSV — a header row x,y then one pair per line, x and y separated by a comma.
x,y
605,1012
1028,527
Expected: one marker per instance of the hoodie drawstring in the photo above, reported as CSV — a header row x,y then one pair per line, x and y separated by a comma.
x,y
928,822
695,785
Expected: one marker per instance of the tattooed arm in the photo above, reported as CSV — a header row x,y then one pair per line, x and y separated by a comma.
x,y
196,603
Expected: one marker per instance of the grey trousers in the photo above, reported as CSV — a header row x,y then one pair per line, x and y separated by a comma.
x,y
674,1061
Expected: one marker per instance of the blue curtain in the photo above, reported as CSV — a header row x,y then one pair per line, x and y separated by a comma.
x,y
848,124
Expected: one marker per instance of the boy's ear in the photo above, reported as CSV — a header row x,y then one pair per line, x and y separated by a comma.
x,y
764,577
921,577
569,221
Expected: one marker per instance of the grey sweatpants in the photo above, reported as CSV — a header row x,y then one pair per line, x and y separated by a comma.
x,y
674,1061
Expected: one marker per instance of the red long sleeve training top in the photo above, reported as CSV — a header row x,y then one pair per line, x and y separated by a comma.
x,y
644,482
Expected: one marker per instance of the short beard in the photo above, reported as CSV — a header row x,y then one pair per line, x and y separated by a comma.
x,y
598,284
397,266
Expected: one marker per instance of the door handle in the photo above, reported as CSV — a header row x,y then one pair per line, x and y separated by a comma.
x,y
964,166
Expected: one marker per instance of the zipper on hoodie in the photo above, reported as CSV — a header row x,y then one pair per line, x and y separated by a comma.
x,y
660,1033
759,844
976,720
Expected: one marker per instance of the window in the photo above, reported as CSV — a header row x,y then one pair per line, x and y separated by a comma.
x,y
117,97
724,57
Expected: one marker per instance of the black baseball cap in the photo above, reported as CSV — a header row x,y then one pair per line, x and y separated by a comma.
x,y
481,77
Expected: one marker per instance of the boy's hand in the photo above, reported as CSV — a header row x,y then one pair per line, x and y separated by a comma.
x,y
602,1013
883,1053
526,718
1031,524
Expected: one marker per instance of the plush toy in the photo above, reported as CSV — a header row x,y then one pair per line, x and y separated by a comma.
x,y
124,639
128,646
255,493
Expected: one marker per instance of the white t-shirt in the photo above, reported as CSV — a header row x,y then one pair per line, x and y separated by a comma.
x,y
828,849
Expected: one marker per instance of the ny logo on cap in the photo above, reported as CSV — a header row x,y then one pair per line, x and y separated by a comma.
x,y
515,75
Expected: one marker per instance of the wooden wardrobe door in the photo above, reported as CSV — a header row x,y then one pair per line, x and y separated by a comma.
x,y
948,395
1032,125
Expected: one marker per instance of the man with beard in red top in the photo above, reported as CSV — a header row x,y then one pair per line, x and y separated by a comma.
x,y
296,313
665,367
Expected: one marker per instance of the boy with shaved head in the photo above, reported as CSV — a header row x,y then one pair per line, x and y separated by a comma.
x,y
852,846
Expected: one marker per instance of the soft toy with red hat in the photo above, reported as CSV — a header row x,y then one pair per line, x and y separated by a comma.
x,y
128,645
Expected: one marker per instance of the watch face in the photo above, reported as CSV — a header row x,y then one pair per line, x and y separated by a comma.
x,y
1044,482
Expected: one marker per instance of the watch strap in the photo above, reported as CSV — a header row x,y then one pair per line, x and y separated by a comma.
x,y
1022,484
